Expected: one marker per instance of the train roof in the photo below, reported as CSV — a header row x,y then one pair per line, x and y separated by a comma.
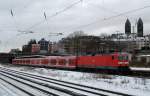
x,y
32,56
41,56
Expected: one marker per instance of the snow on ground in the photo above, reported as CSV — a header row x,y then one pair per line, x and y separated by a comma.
x,y
131,85
4,91
140,69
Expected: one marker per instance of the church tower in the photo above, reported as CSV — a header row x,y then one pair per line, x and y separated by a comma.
x,y
127,27
140,28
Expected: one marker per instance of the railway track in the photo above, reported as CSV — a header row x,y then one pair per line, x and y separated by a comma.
x,y
43,86
131,73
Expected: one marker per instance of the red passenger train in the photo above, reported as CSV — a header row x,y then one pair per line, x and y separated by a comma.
x,y
115,61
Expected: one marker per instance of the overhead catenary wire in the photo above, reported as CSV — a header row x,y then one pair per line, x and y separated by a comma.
x,y
45,17
114,16
50,34
15,23
12,13
13,17
110,10
56,13
127,12
70,6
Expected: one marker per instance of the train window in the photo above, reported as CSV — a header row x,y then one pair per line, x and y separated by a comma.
x,y
71,61
38,61
120,57
20,61
28,61
65,61
25,62
62,61
125,57
53,61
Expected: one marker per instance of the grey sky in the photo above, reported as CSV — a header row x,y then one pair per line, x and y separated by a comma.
x,y
30,12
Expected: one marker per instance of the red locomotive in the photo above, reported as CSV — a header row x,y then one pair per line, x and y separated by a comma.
x,y
116,61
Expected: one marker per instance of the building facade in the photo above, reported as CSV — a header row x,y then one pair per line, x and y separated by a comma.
x,y
43,44
35,48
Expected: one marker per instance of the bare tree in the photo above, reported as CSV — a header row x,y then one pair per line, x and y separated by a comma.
x,y
103,35
77,34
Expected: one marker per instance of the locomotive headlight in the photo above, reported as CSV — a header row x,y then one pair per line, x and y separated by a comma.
x,y
123,62
126,62
120,62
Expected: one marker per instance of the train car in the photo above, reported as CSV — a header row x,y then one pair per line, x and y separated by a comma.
x,y
116,61
47,61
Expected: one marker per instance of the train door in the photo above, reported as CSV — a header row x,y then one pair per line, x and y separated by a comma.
x,y
114,60
72,62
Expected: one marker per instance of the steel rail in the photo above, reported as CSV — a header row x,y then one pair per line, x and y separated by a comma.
x,y
59,81
30,94
39,89
54,87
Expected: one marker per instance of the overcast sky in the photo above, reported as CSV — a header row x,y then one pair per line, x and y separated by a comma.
x,y
28,15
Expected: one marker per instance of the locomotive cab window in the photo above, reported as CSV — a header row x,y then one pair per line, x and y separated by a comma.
x,y
126,58
122,57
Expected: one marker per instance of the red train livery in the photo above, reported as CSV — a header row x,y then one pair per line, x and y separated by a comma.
x,y
114,61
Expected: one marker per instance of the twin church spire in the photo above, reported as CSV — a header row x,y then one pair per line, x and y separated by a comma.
x,y
139,27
